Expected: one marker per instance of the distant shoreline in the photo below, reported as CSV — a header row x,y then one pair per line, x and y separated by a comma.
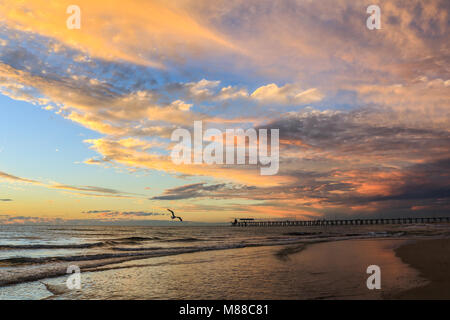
x,y
432,259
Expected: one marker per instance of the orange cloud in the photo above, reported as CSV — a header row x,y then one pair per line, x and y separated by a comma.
x,y
131,157
137,31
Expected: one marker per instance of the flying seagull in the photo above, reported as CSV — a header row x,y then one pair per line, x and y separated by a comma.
x,y
173,215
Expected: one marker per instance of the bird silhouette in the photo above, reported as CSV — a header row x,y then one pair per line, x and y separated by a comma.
x,y
173,215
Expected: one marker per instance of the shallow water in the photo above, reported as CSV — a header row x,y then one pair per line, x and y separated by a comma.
x,y
203,262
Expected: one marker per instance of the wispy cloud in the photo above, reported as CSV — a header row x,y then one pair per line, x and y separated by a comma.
x,y
123,214
80,190
10,177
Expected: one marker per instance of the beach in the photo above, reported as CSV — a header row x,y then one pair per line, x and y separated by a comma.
x,y
432,259
225,262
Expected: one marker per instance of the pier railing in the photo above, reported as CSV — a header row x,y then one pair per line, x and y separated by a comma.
x,y
336,222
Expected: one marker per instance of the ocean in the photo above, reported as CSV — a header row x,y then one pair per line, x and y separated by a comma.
x,y
205,262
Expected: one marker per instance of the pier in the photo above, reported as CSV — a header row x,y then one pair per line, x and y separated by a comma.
x,y
335,222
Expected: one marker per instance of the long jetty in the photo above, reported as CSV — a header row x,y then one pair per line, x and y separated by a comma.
x,y
335,222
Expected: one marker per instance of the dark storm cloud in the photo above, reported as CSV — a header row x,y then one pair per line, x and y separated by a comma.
x,y
427,181
195,190
420,189
351,132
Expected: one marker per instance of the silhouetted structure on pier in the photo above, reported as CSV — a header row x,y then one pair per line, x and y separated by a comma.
x,y
336,222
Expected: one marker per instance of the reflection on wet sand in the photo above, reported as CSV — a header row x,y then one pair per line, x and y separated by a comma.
x,y
331,270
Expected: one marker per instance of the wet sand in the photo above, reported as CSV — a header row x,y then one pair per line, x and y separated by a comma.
x,y
432,259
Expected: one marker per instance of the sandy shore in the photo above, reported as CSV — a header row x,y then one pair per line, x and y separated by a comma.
x,y
432,259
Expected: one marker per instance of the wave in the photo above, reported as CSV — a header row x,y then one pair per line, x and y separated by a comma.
x,y
138,249
107,242
41,260
32,269
55,289
183,240
138,239
285,252
52,246
297,233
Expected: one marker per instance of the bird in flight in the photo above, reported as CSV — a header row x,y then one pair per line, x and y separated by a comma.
x,y
173,215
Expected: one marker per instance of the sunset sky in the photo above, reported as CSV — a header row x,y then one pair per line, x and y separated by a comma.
x,y
86,114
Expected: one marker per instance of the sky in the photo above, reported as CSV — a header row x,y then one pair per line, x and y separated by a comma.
x,y
86,115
